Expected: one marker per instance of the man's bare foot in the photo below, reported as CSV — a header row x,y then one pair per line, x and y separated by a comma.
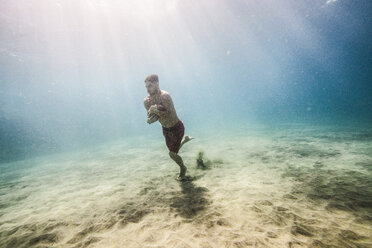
x,y
184,178
185,139
182,175
181,178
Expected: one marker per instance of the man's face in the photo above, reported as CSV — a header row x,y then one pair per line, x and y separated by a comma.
x,y
151,87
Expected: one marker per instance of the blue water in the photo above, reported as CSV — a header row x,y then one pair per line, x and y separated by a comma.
x,y
72,72
72,82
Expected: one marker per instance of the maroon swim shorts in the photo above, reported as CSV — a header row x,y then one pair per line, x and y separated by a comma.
x,y
173,136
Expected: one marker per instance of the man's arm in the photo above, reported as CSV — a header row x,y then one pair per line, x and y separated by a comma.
x,y
146,103
151,118
162,110
157,109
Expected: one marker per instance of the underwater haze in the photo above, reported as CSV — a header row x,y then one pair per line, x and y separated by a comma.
x,y
278,95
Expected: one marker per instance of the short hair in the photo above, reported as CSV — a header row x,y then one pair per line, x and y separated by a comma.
x,y
152,78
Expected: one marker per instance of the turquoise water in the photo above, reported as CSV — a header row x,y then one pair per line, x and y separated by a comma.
x,y
278,97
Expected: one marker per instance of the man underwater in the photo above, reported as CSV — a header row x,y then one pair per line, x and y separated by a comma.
x,y
159,107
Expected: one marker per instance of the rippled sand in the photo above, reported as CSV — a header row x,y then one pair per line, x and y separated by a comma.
x,y
289,187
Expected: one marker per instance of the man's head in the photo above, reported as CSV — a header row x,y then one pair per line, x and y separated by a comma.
x,y
152,84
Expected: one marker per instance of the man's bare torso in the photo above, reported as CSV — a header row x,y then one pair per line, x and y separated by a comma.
x,y
168,116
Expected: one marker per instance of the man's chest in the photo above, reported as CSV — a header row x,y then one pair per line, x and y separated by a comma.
x,y
154,100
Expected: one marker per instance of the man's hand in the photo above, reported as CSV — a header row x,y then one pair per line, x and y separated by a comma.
x,y
152,118
153,110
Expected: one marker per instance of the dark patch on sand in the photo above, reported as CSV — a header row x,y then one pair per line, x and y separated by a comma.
x,y
365,165
342,190
88,242
161,194
28,236
95,226
290,196
82,234
318,165
262,155
47,234
362,136
306,150
308,230
300,229
4,205
48,238
338,190
340,238
264,202
134,216
210,220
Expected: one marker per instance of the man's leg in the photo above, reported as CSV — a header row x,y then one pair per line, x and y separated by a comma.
x,y
179,161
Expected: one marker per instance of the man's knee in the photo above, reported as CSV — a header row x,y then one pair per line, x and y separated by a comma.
x,y
172,154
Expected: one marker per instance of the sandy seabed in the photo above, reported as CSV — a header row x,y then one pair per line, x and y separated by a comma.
x,y
288,187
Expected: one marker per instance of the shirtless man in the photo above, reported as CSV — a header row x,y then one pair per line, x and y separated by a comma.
x,y
159,107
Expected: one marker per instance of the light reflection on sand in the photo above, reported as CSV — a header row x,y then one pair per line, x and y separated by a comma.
x,y
283,188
